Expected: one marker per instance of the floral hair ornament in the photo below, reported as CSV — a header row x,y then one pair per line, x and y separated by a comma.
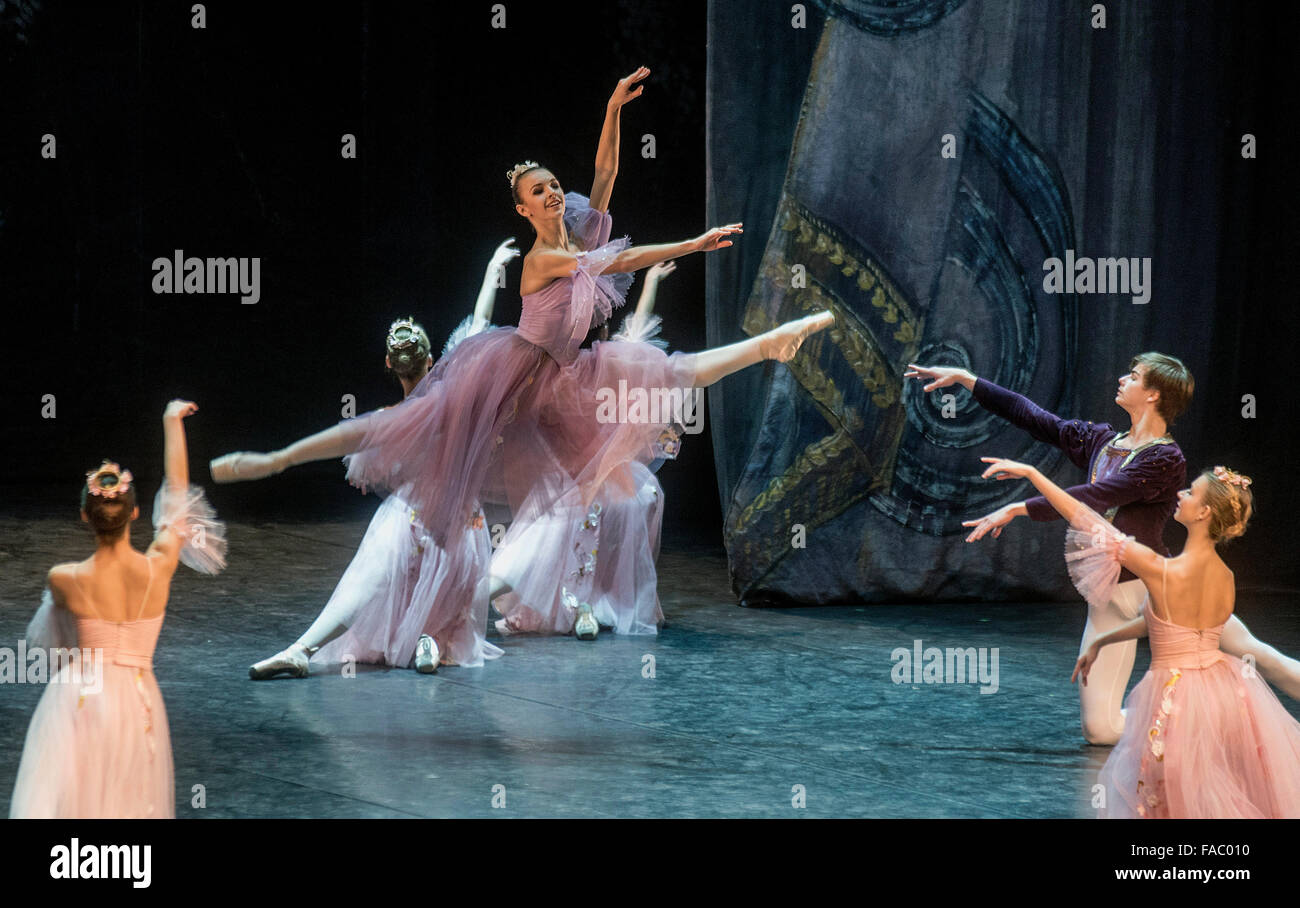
x,y
1232,477
109,481
406,332
514,172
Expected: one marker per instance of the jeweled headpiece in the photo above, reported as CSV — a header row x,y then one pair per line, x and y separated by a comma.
x,y
109,481
1241,483
1232,477
514,172
404,333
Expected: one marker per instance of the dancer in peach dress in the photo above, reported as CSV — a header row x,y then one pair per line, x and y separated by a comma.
x,y
1205,737
98,745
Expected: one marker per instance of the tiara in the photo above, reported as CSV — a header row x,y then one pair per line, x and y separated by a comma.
x,y
1232,477
514,172
406,332
109,481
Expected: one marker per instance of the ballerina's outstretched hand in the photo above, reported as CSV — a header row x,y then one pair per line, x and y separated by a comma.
x,y
627,88
716,238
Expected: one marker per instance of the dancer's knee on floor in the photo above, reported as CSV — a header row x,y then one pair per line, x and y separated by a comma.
x,y
1101,730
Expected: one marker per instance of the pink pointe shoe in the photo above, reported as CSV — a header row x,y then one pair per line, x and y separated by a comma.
x,y
245,465
783,342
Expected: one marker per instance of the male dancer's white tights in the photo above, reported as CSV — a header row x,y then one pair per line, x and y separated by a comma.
x,y
1102,699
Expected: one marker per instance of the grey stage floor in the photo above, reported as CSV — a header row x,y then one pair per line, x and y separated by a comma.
x,y
744,706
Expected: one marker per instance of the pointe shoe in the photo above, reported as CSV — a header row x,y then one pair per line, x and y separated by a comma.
x,y
426,655
783,342
504,629
292,661
245,465
585,628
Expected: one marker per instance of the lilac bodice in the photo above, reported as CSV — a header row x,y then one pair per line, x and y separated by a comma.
x,y
558,317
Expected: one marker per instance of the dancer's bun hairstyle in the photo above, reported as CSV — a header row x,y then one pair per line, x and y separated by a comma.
x,y
108,499
1231,503
408,348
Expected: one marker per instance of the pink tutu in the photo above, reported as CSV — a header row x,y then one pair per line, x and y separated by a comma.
x,y
102,753
1204,736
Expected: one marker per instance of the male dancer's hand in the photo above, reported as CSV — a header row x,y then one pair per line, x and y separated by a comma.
x,y
940,377
999,468
996,521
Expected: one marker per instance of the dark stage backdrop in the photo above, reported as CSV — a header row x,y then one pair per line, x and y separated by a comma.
x,y
826,137
226,141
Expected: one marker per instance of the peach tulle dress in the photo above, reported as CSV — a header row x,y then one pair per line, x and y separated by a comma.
x,y
516,416
98,745
1204,735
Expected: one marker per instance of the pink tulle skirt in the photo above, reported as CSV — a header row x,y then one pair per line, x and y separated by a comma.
x,y
104,754
499,419
1210,742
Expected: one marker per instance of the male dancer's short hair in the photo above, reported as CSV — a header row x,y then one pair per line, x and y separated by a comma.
x,y
1171,378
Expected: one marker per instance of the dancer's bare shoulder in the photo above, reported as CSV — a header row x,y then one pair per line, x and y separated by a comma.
x,y
59,578
542,266
61,581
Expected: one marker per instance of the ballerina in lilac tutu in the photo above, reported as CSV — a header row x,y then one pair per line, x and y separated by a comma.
x,y
577,585
98,745
516,413
1205,737
405,600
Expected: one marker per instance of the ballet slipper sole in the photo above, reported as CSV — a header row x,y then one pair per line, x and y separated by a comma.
x,y
266,674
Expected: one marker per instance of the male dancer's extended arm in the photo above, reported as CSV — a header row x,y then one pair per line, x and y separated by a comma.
x,y
1075,437
1072,436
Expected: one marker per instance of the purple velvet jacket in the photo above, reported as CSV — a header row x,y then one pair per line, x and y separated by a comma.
x,y
1145,490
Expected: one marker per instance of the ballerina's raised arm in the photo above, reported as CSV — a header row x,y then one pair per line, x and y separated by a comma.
x,y
602,186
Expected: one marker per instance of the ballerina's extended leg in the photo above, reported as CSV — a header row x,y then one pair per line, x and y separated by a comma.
x,y
332,443
780,344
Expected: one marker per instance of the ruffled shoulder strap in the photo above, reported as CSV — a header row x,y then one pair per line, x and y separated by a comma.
x,y
186,512
1094,550
591,228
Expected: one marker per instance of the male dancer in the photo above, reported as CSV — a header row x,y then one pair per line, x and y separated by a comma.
x,y
1134,479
